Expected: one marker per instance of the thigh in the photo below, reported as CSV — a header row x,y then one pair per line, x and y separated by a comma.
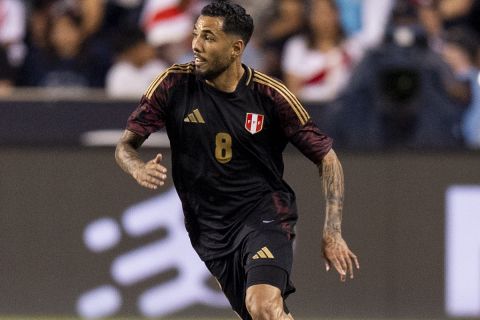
x,y
230,274
265,301
268,285
269,259
270,248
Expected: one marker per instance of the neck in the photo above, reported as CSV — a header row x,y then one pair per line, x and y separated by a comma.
x,y
228,80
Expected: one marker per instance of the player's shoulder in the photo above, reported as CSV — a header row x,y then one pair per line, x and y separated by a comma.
x,y
269,85
178,71
279,94
182,67
171,77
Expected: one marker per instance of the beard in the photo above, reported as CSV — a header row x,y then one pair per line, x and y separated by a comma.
x,y
215,68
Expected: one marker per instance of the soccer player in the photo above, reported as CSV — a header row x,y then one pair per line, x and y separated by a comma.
x,y
228,126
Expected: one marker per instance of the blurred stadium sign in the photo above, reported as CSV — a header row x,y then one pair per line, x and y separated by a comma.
x,y
66,232
174,251
462,290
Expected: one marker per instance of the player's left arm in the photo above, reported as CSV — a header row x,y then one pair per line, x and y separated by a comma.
x,y
302,132
335,249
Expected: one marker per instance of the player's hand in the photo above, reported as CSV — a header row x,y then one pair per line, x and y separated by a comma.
x,y
152,174
338,255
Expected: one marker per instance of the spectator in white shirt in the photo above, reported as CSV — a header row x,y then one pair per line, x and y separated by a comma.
x,y
136,67
317,65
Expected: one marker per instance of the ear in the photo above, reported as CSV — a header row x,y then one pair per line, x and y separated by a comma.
x,y
237,48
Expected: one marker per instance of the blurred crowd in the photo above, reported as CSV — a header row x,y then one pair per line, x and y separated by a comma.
x,y
373,74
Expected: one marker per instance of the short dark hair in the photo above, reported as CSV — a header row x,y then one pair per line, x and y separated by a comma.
x,y
235,19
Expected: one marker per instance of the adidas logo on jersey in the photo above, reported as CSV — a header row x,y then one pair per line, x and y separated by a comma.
x,y
194,117
263,253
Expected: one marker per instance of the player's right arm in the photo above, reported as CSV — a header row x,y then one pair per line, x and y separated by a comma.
x,y
149,174
148,118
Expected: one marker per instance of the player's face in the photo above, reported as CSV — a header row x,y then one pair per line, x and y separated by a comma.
x,y
212,48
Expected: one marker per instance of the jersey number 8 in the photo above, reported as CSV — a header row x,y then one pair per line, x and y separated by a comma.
x,y
223,147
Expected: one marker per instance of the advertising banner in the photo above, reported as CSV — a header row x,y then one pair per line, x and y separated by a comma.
x,y
80,237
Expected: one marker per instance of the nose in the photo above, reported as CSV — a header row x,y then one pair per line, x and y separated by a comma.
x,y
195,44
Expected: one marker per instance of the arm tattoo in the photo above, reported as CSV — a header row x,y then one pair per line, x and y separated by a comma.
x,y
333,187
126,153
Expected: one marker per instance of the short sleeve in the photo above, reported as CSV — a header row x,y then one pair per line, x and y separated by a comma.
x,y
150,114
312,142
147,118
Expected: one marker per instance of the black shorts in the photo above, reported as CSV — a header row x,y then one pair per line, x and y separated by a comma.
x,y
264,257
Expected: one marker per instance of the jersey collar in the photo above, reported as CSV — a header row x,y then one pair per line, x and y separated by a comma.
x,y
242,84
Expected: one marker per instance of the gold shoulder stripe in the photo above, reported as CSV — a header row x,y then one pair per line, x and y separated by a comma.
x,y
249,76
303,119
295,109
173,69
155,81
152,90
287,91
162,76
280,86
188,64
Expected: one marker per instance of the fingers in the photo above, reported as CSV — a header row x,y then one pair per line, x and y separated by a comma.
x,y
150,185
354,257
341,258
155,165
158,158
156,170
333,256
152,179
343,263
149,179
350,260
152,175
339,268
350,266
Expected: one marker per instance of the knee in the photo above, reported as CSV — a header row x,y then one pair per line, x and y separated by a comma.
x,y
264,306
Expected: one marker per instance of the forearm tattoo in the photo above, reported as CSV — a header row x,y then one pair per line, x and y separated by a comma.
x,y
126,152
333,187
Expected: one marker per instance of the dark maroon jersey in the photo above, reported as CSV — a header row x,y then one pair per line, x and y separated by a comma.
x,y
227,149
